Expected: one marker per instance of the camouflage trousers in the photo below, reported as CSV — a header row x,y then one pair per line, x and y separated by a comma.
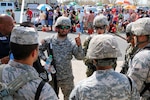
x,y
66,86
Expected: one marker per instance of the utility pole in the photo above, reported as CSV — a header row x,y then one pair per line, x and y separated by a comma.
x,y
22,10
148,2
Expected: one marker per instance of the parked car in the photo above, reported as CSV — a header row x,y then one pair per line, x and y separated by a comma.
x,y
143,8
100,8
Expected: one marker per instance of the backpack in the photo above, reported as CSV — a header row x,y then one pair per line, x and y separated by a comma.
x,y
7,92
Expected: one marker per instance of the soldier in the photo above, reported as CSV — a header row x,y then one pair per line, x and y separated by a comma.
x,y
37,64
129,50
139,68
101,24
64,48
105,83
24,46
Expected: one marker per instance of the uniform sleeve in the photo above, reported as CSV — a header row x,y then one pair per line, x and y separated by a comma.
x,y
77,51
140,68
85,48
135,93
48,93
86,44
42,48
74,94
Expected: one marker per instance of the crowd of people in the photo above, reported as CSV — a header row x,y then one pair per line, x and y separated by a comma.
x,y
82,19
99,52
11,13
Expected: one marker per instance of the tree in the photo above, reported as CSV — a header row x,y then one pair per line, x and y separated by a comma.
x,y
113,1
135,2
106,2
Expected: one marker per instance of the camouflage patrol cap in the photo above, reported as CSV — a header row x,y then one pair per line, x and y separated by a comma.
x,y
65,21
103,46
141,27
100,20
24,35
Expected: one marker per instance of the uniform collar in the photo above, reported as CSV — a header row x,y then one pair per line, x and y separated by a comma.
x,y
21,66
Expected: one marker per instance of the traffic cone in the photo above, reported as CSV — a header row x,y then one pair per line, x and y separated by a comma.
x,y
43,29
90,31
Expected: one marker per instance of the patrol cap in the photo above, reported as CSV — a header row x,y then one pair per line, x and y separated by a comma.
x,y
141,27
24,35
103,46
65,21
100,20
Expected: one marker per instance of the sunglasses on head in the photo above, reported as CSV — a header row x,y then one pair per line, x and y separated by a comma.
x,y
64,27
100,27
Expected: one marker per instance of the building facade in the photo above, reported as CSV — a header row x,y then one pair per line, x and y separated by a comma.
x,y
51,2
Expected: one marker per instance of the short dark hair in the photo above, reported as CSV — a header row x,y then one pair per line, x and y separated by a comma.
x,y
22,51
27,24
105,61
129,34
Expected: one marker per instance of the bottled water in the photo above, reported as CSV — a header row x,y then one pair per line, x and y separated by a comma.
x,y
53,71
49,76
11,57
49,68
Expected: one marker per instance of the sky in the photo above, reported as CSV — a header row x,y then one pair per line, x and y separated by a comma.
x,y
143,1
140,1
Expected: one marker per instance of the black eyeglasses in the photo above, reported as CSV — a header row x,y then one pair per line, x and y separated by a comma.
x,y
64,27
100,27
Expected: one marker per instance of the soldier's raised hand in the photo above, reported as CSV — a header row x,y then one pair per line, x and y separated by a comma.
x,y
78,40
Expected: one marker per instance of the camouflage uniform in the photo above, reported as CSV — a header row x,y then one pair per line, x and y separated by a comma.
x,y
14,69
63,52
26,36
99,21
90,67
128,54
130,50
104,84
139,68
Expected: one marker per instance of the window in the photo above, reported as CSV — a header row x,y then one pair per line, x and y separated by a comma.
x,y
9,4
3,4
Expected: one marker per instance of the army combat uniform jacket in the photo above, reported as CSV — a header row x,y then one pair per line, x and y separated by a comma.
x,y
105,85
139,70
14,69
63,52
